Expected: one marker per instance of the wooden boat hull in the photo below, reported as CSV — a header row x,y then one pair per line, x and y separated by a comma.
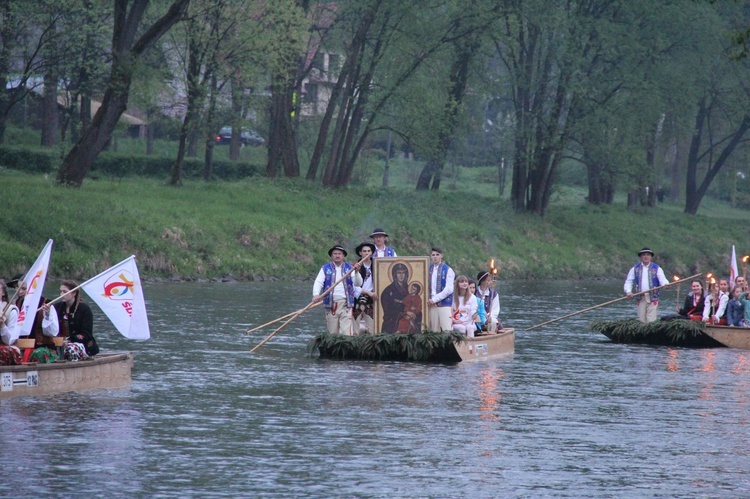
x,y
489,346
106,370
730,336
674,333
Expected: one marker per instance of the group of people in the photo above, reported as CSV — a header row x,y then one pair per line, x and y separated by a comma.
x,y
718,305
69,318
454,303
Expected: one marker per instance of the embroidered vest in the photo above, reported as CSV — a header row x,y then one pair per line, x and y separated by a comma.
x,y
388,252
487,299
442,275
653,276
329,269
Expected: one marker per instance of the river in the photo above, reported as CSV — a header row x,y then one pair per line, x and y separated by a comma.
x,y
569,414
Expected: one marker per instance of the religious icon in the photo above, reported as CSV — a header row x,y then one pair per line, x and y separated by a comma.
x,y
401,285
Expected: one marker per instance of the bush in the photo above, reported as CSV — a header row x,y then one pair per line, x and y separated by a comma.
x,y
27,160
161,167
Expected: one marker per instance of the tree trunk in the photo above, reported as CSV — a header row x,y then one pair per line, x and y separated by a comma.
x,y
50,120
126,52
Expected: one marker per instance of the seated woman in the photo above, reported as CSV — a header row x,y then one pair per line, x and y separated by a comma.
x,y
9,354
464,307
736,308
694,303
45,326
76,323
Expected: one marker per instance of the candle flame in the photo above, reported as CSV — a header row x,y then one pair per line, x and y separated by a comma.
x,y
713,281
709,275
676,277
745,258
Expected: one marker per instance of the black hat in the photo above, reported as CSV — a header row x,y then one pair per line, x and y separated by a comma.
x,y
645,250
358,250
337,247
481,276
378,232
14,281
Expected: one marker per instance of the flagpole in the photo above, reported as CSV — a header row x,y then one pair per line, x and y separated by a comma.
x,y
84,283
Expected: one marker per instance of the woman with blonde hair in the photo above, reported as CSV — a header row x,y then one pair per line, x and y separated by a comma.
x,y
464,307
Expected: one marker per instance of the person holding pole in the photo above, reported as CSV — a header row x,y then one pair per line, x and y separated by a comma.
x,y
486,292
442,278
643,276
45,326
340,302
76,322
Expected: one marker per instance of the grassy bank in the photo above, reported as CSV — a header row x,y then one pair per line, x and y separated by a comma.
x,y
261,228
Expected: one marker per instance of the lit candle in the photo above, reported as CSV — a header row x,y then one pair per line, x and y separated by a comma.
x,y
677,280
744,265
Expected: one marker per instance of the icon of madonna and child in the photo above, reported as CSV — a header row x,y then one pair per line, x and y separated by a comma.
x,y
403,301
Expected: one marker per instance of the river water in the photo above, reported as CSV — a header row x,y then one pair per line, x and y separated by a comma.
x,y
569,414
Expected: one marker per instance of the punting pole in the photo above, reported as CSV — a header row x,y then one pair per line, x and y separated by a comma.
x,y
610,302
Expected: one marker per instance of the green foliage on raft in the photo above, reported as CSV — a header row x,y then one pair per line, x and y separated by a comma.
x,y
677,332
429,345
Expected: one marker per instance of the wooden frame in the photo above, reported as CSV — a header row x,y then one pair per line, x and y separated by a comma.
x,y
390,316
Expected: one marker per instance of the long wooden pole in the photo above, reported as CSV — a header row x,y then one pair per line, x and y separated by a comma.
x,y
308,307
611,302
279,319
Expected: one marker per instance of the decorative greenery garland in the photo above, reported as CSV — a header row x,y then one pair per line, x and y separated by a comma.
x,y
429,345
677,332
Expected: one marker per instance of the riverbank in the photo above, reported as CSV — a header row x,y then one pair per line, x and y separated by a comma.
x,y
262,229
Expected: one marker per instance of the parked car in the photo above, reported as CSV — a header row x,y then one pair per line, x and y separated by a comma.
x,y
248,136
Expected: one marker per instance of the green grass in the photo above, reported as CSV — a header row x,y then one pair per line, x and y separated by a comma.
x,y
261,228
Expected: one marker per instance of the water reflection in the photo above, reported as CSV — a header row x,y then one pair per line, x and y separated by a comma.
x,y
569,414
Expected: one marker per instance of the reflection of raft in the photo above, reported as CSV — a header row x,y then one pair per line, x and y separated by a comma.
x,y
730,336
678,333
426,347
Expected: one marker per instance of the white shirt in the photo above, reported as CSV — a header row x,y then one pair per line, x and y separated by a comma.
x,y
339,292
447,290
381,252
495,304
51,324
367,285
9,331
723,300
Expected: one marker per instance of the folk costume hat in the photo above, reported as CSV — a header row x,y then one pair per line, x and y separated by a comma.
x,y
358,250
378,232
14,281
645,250
482,276
337,247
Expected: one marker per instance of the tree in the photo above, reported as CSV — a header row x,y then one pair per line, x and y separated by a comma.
x,y
127,49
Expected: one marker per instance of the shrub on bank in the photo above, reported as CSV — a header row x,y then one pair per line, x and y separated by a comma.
x,y
121,165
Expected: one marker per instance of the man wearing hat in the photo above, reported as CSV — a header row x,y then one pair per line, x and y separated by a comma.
x,y
339,302
365,294
486,292
643,276
441,292
381,250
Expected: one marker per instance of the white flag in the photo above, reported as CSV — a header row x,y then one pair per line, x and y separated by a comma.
x,y
34,280
119,294
732,269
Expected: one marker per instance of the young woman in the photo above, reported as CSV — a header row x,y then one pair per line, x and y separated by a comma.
x,y
694,303
76,323
464,307
736,308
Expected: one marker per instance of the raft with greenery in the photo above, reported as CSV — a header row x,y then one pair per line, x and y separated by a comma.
x,y
429,346
676,332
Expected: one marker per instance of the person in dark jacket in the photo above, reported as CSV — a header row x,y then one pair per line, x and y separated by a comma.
x,y
694,302
76,319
